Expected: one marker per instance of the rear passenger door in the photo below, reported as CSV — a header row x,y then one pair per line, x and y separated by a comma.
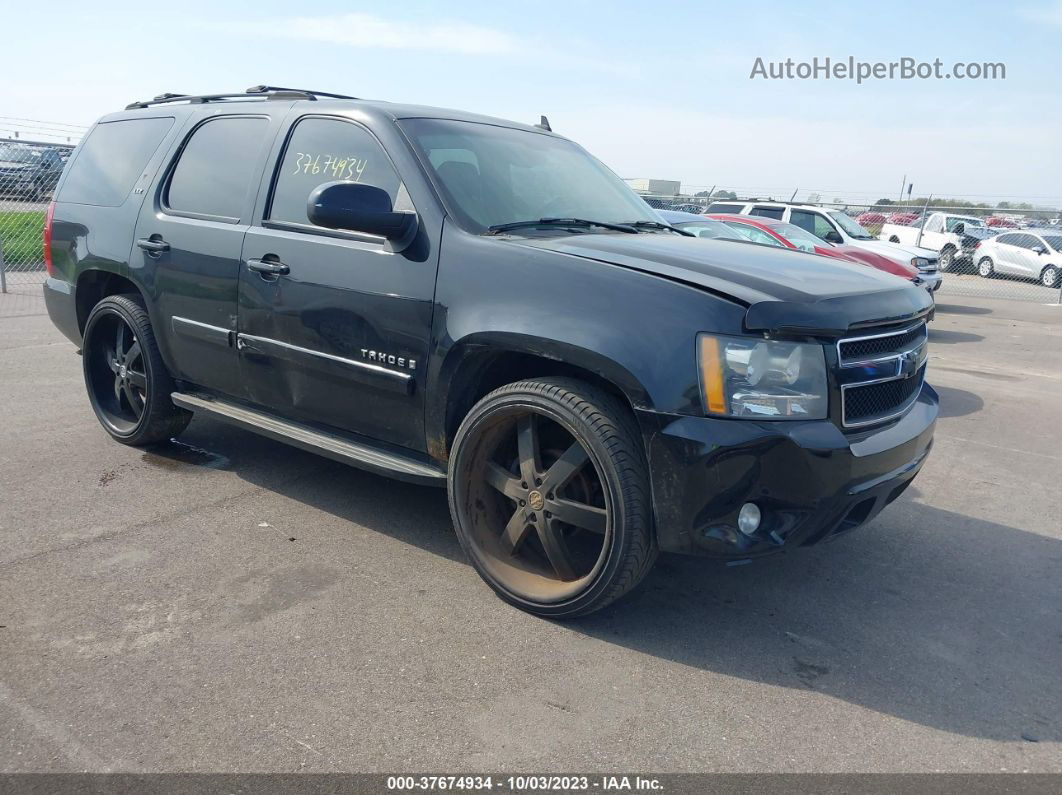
x,y
339,336
1008,253
188,241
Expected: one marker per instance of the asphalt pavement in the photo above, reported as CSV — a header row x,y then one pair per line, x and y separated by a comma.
x,y
226,603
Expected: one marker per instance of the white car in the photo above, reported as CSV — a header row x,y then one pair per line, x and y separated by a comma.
x,y
834,226
1026,253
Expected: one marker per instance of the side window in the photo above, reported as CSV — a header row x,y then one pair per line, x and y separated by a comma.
x,y
1008,240
717,207
769,212
934,224
214,172
1027,241
329,150
811,222
111,159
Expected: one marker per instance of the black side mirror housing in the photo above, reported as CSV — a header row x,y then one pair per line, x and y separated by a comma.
x,y
361,208
833,236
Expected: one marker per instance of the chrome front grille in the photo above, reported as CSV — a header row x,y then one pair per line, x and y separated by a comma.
x,y
881,374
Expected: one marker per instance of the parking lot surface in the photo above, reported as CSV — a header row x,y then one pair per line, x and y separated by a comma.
x,y
229,603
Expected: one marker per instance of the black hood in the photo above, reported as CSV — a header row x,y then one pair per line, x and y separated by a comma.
x,y
782,288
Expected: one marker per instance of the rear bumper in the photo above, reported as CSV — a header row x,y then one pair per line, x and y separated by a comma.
x,y
62,308
810,481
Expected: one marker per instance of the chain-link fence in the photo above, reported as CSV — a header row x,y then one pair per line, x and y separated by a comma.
x,y
32,156
1011,251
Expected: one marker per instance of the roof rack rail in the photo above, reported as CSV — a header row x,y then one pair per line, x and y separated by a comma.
x,y
266,89
254,92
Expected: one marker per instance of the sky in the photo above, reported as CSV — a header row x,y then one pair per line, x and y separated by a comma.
x,y
654,90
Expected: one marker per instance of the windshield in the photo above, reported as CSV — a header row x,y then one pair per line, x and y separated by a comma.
x,y
492,175
954,220
849,225
801,238
17,154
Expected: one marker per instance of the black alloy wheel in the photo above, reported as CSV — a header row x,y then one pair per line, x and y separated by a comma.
x,y
549,494
127,382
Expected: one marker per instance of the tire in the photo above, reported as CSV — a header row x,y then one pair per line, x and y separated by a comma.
x,y
1051,276
947,259
128,384
527,457
986,268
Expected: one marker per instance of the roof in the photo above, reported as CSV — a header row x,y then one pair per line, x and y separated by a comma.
x,y
328,102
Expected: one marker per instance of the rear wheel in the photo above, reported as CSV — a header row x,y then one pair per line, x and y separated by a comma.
x,y
128,384
549,492
1051,276
986,268
947,258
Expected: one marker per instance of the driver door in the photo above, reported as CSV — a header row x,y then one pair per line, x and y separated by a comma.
x,y
333,327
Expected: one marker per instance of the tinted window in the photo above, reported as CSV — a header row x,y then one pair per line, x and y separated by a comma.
x,y
811,222
214,172
1027,241
1008,240
111,160
718,207
327,150
1054,242
769,212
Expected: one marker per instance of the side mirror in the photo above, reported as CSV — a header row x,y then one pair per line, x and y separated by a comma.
x,y
1039,250
833,236
960,228
361,208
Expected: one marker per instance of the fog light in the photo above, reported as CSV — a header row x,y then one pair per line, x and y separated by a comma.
x,y
748,518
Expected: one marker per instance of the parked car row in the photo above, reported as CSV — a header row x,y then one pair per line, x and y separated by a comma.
x,y
813,229
27,171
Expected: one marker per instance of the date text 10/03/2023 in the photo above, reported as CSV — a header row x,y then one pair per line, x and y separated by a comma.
x,y
524,783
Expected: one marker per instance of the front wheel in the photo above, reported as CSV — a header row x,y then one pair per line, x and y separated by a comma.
x,y
1051,276
549,493
128,384
986,268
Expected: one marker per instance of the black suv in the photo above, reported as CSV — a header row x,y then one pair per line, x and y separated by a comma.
x,y
478,304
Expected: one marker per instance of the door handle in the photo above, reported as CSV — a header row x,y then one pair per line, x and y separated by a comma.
x,y
153,244
268,267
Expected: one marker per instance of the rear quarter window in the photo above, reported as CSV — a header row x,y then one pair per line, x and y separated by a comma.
x,y
111,160
717,207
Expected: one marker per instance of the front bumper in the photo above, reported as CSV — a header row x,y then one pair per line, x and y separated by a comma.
x,y
930,280
811,481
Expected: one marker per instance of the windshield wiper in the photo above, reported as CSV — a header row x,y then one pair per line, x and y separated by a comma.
x,y
658,225
582,222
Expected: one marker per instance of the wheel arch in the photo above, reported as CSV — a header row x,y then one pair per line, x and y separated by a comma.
x,y
485,361
95,284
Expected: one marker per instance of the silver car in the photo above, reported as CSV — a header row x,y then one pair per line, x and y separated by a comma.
x,y
1029,253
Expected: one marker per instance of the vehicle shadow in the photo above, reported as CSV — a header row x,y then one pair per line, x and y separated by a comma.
x,y
957,402
926,615
945,337
961,309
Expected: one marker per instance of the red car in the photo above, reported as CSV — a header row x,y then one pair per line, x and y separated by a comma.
x,y
870,218
779,233
996,221
903,219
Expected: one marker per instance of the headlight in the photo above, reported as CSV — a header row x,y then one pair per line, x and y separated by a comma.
x,y
920,262
743,377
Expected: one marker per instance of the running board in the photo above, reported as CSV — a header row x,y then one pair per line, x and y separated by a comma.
x,y
360,455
